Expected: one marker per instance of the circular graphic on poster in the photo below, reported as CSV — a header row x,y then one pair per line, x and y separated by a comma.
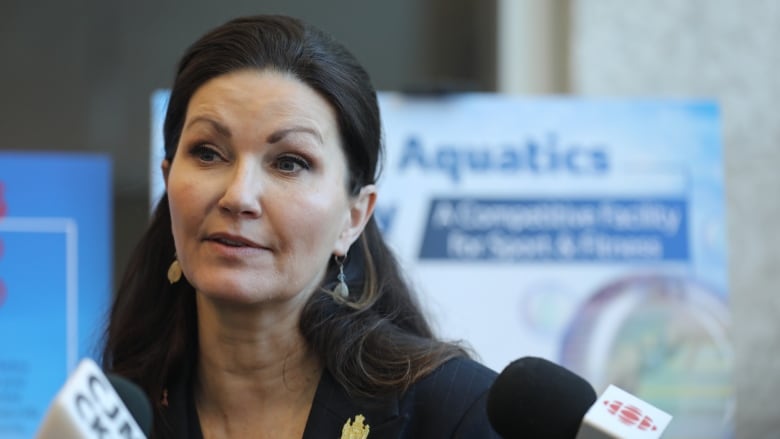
x,y
666,340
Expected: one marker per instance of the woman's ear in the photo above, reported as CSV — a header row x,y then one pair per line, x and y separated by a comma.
x,y
360,211
166,169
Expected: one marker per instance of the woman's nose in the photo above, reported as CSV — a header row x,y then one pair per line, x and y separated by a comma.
x,y
242,193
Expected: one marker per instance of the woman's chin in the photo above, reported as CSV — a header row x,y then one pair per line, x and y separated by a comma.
x,y
240,293
233,290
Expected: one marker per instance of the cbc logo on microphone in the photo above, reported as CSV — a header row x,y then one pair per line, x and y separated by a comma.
x,y
630,415
102,411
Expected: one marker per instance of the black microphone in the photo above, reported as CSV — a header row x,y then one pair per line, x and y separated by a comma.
x,y
92,405
134,399
533,397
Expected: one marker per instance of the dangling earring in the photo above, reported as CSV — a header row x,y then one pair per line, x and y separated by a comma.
x,y
341,288
174,271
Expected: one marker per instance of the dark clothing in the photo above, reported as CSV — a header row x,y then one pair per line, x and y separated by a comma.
x,y
448,403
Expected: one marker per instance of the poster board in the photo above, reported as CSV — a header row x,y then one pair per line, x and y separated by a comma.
x,y
588,232
55,275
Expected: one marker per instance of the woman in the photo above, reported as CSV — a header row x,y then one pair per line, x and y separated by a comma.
x,y
262,301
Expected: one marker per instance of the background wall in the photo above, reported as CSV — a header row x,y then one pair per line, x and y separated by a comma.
x,y
78,75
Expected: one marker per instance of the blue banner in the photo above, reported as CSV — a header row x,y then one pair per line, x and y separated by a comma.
x,y
549,230
55,276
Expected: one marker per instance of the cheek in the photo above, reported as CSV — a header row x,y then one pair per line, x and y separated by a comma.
x,y
185,200
317,220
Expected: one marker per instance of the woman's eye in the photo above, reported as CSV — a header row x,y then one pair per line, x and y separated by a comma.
x,y
205,154
291,164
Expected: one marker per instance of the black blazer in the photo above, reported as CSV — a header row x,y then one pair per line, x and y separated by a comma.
x,y
449,403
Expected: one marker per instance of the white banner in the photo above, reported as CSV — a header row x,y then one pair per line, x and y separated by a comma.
x,y
587,232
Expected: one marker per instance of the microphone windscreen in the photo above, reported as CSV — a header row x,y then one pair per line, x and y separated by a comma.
x,y
533,397
135,400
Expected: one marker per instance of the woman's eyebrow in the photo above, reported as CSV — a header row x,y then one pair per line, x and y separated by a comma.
x,y
280,134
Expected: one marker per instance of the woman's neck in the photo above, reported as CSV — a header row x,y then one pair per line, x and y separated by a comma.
x,y
254,368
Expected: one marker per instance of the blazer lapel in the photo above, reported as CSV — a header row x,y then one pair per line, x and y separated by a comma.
x,y
333,408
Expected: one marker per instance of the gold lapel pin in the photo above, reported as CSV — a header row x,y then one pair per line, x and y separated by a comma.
x,y
355,430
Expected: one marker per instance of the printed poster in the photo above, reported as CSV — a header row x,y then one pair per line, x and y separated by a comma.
x,y
588,232
55,275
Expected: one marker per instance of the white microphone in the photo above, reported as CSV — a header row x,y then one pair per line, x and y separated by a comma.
x,y
89,407
618,414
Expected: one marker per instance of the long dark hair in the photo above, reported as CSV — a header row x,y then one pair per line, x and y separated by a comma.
x,y
375,342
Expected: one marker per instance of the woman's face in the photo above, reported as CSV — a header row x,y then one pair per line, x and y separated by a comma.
x,y
257,189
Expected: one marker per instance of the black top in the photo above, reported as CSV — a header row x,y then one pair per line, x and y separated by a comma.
x,y
448,403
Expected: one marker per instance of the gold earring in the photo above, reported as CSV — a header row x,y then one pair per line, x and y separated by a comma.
x,y
174,272
341,288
